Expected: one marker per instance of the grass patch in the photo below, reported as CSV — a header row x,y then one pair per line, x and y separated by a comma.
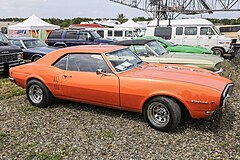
x,y
9,89
43,156
105,134
29,109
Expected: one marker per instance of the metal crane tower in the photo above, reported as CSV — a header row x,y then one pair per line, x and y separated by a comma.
x,y
170,9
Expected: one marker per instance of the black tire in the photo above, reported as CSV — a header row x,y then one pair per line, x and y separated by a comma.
x,y
46,96
35,58
167,106
218,51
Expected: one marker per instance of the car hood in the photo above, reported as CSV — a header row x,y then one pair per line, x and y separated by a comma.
x,y
179,73
43,50
193,58
9,49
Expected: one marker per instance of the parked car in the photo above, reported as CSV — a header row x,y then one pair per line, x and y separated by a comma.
x,y
33,48
114,76
152,51
172,47
9,55
197,32
66,38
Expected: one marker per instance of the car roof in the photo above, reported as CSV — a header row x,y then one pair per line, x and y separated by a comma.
x,y
132,42
85,49
21,38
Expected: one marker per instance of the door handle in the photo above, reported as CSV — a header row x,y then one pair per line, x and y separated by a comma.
x,y
67,76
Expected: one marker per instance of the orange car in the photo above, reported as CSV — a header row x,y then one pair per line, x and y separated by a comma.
x,y
115,77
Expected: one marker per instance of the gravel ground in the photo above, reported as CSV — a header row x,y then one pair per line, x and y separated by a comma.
x,y
70,130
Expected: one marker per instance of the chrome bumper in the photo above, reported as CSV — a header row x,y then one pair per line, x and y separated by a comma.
x,y
11,79
219,71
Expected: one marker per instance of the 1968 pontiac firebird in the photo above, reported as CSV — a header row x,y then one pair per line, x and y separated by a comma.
x,y
113,76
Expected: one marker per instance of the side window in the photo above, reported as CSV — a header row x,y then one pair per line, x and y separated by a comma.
x,y
118,33
101,33
61,63
190,31
55,34
179,30
84,36
164,32
206,31
129,34
87,63
16,43
110,33
71,35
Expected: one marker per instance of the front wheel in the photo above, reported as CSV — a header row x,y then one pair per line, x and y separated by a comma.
x,y
218,51
38,94
162,113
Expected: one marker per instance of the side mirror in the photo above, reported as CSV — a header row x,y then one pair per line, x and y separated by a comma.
x,y
209,36
99,71
145,54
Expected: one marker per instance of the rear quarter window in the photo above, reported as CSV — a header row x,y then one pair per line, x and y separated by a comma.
x,y
71,35
55,34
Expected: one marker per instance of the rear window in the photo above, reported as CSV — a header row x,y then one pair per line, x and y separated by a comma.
x,y
55,34
71,35
164,32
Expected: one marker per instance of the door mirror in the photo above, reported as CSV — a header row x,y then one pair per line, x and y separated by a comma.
x,y
146,54
99,71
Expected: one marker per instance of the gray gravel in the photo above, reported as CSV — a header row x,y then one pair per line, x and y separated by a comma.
x,y
70,130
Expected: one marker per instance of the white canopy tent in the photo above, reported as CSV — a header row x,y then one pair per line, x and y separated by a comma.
x,y
33,23
130,24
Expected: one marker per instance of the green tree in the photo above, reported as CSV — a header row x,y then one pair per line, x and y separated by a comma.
x,y
121,18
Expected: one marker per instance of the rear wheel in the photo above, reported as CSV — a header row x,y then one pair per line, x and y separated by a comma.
x,y
218,51
162,113
38,94
35,58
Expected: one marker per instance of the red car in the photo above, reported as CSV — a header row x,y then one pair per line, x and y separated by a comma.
x,y
113,76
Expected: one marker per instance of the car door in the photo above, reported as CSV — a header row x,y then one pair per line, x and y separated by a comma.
x,y
190,36
207,37
70,38
80,81
177,35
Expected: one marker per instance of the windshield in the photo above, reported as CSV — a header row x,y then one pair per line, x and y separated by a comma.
x,y
3,38
95,35
34,43
156,48
123,60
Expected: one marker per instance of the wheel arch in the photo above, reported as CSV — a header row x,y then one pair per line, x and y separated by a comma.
x,y
179,101
38,79
35,55
218,47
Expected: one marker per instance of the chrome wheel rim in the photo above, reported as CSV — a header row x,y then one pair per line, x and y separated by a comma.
x,y
158,114
35,94
217,53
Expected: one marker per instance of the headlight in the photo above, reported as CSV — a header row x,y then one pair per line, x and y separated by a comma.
x,y
20,56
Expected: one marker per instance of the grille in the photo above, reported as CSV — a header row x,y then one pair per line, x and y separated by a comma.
x,y
9,57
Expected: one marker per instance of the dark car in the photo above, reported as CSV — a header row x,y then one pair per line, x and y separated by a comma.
x,y
66,38
33,48
9,55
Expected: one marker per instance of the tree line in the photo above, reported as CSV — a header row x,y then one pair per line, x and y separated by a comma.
x,y
121,18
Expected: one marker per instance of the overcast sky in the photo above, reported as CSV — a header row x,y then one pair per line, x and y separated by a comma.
x,y
77,8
